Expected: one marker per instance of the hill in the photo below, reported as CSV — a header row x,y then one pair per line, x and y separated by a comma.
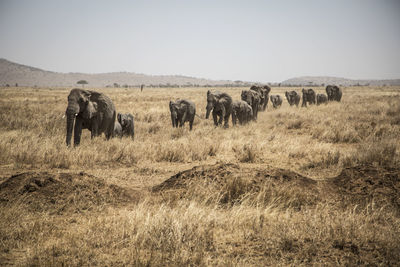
x,y
13,73
319,80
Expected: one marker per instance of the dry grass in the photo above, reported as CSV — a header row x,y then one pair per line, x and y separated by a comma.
x,y
235,215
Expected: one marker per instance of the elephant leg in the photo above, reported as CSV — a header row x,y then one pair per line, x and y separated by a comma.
x,y
191,124
234,119
221,118
77,131
184,116
255,110
215,118
95,129
226,121
224,116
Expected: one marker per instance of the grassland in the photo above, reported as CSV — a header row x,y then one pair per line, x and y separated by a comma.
x,y
301,186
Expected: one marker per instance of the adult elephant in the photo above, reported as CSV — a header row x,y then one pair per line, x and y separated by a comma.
x,y
181,112
253,99
89,110
241,111
276,100
264,95
321,98
221,106
334,93
308,97
293,98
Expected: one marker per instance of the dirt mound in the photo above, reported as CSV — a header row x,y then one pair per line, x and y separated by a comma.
x,y
208,172
363,184
219,173
59,192
230,183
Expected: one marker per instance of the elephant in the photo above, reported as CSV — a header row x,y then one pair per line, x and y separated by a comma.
x,y
293,98
221,106
127,123
117,129
241,111
89,110
321,98
181,112
264,95
253,99
334,93
276,100
308,97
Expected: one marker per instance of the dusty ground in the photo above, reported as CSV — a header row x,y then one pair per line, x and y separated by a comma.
x,y
317,185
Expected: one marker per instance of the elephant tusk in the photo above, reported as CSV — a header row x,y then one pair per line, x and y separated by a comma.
x,y
63,116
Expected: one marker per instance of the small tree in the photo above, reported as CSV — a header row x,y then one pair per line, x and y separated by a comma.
x,y
83,82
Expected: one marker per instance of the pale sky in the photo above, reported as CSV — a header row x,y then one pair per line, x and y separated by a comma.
x,y
264,41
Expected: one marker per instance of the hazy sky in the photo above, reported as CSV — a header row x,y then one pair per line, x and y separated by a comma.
x,y
237,40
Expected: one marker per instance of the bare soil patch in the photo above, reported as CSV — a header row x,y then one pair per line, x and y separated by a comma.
x,y
60,192
361,185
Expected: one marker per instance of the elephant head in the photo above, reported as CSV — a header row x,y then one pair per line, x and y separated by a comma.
x,y
220,106
78,105
288,97
123,119
333,92
267,89
211,102
174,113
309,96
248,97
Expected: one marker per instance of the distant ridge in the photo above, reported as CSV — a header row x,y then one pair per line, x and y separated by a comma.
x,y
325,80
13,73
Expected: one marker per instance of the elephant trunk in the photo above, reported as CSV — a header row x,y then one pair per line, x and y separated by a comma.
x,y
70,127
71,113
174,119
209,108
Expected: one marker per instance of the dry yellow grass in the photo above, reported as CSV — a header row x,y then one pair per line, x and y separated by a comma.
x,y
238,218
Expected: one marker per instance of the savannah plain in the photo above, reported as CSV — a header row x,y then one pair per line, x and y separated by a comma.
x,y
301,186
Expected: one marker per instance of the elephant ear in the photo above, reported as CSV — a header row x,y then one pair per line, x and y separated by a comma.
x,y
91,110
119,117
208,92
170,105
86,96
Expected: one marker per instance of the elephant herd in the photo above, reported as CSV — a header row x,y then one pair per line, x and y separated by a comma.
x,y
96,112
252,101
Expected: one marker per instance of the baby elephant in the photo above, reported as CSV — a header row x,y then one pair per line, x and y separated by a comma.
x,y
241,111
276,100
127,124
181,112
117,129
321,98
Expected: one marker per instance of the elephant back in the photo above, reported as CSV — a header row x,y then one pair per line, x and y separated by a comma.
x,y
189,105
